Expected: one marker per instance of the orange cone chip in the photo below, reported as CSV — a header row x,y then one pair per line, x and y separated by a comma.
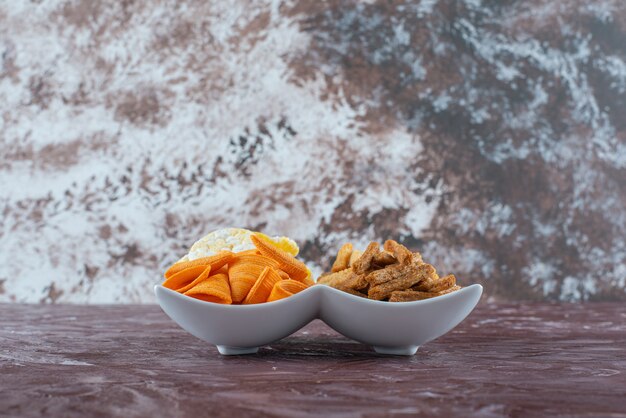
x,y
282,274
263,286
285,288
244,271
214,289
203,276
308,281
250,276
215,261
254,259
296,269
183,277
222,270
247,252
241,278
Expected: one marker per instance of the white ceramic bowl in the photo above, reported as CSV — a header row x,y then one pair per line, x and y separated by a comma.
x,y
390,327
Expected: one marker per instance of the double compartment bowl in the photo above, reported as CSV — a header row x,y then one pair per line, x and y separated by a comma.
x,y
390,327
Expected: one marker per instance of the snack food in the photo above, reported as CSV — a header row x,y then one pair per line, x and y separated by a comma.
x,y
394,274
235,240
237,266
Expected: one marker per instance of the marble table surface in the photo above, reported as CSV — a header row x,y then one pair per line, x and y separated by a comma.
x,y
516,360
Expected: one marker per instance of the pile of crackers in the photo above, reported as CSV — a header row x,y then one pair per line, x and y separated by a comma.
x,y
393,274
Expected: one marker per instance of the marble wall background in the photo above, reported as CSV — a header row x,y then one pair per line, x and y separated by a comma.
x,y
491,135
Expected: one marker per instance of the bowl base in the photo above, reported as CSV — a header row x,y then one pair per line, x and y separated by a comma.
x,y
236,351
408,350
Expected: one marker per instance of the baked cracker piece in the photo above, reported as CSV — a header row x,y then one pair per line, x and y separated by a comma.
x,y
403,278
364,263
427,284
334,279
389,273
356,254
412,295
444,283
400,252
383,259
343,258
384,275
351,291
356,282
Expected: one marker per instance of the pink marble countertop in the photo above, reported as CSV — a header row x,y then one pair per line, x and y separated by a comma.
x,y
504,360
